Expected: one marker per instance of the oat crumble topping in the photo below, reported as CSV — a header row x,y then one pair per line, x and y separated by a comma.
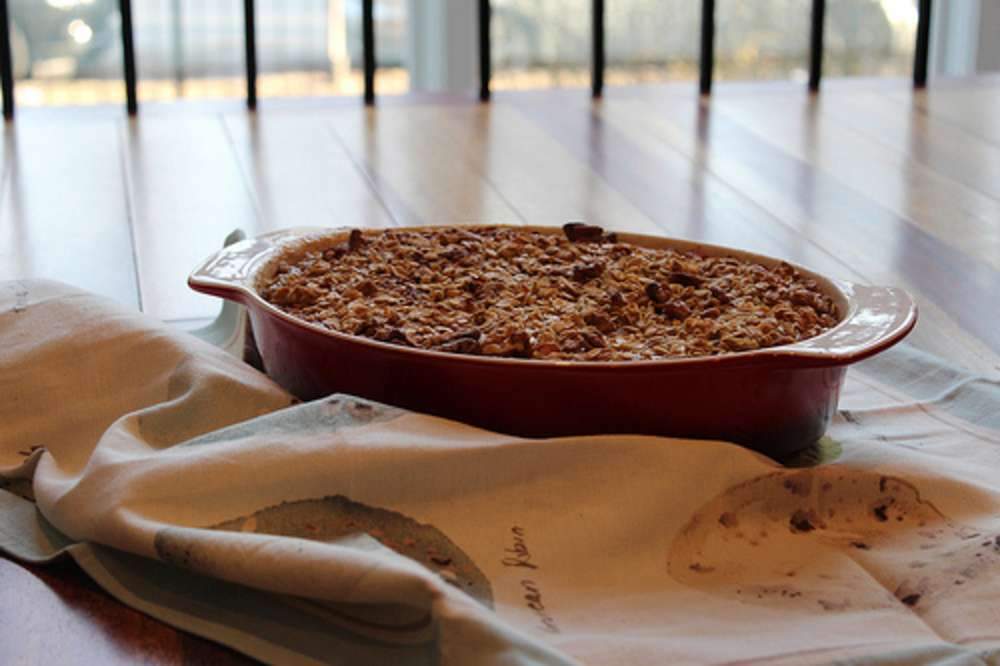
x,y
579,296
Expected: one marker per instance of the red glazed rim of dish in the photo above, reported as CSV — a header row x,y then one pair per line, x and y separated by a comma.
x,y
873,318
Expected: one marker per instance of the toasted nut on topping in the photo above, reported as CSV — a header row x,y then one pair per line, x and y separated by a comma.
x,y
655,292
674,309
579,232
584,272
600,321
460,346
355,240
686,279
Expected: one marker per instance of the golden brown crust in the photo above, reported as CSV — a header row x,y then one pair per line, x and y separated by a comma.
x,y
500,291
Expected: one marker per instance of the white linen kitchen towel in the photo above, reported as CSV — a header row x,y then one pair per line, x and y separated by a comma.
x,y
344,531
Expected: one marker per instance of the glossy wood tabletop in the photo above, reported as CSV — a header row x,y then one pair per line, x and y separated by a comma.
x,y
869,181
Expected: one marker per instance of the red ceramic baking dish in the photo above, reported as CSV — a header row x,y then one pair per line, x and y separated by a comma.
x,y
774,400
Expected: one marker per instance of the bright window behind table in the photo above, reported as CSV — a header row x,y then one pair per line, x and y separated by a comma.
x,y
69,51
542,43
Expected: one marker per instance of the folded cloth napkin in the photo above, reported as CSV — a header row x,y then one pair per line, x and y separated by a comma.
x,y
342,531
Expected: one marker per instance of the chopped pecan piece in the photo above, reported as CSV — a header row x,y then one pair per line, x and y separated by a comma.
x,y
801,297
585,272
685,279
578,232
739,343
655,292
398,336
600,321
466,342
355,240
720,295
460,346
520,345
592,338
454,253
573,343
675,309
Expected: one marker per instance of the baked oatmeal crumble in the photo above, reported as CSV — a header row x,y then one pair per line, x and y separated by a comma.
x,y
581,295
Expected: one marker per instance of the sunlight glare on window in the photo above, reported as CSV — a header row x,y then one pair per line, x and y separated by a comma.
x,y
79,31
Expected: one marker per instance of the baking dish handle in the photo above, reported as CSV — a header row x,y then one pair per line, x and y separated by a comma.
x,y
229,272
878,318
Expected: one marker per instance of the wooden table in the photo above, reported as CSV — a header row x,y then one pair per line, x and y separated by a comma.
x,y
869,181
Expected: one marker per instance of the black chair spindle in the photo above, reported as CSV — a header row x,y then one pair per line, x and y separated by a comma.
x,y
816,44
597,73
707,61
250,42
920,52
128,57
